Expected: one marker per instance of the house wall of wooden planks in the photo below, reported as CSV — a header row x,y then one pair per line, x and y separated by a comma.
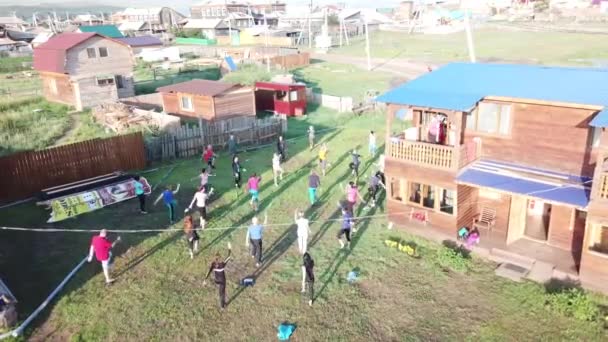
x,y
189,141
24,174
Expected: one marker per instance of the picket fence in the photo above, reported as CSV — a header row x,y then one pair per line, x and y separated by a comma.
x,y
188,141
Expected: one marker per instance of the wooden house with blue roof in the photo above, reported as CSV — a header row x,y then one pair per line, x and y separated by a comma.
x,y
519,152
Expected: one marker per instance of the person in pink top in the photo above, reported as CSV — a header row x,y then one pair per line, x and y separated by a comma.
x,y
101,246
352,193
253,186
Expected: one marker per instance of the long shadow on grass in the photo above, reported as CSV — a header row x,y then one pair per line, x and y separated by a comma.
x,y
284,186
140,258
342,255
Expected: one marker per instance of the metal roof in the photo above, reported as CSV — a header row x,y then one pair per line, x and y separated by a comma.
x,y
565,189
51,55
459,86
106,30
141,41
198,87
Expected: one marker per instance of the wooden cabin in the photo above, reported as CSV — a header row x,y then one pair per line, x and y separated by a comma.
x,y
281,98
209,100
84,69
520,152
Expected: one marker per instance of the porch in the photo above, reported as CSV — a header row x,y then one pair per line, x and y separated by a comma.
x,y
560,263
431,155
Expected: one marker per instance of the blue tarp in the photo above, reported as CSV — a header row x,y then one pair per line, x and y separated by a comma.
x,y
570,194
459,86
230,63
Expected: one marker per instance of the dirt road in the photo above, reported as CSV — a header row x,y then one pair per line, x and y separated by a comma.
x,y
401,68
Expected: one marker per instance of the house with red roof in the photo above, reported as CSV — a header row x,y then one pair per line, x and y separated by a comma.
x,y
84,69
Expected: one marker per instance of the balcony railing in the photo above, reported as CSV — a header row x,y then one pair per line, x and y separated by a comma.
x,y
424,154
434,155
603,186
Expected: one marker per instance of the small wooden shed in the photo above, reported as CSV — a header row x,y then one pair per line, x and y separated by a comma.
x,y
281,98
209,100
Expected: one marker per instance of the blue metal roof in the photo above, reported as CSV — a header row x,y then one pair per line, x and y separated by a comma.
x,y
575,192
459,86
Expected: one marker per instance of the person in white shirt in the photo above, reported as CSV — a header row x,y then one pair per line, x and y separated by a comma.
x,y
303,230
372,143
277,170
200,197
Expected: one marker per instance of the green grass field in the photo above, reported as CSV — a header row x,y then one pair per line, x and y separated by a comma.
x,y
159,295
31,124
490,45
342,79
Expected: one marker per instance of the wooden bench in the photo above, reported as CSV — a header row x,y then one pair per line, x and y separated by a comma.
x,y
485,220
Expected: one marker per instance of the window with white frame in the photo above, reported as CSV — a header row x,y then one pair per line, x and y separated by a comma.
x,y
186,103
446,201
598,240
596,133
53,86
105,80
293,95
491,118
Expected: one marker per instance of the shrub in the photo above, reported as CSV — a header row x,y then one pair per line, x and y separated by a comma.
x,y
574,302
455,259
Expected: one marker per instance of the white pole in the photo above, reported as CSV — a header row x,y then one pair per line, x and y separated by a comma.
x,y
34,20
340,30
310,26
90,19
48,300
471,47
229,30
266,28
369,62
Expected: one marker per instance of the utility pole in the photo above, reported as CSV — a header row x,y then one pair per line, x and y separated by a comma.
x,y
310,26
369,62
471,47
34,21
229,29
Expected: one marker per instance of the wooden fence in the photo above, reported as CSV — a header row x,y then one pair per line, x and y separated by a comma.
x,y
25,174
190,140
291,61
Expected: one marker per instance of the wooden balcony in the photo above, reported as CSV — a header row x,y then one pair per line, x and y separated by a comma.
x,y
603,186
442,157
424,154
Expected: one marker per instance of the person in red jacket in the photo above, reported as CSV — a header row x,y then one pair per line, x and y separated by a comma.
x,y
101,246
209,157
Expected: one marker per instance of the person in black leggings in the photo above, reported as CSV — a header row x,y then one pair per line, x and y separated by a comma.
x,y
217,267
308,276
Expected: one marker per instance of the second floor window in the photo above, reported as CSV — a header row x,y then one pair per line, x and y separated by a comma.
x,y
186,102
103,52
91,53
491,118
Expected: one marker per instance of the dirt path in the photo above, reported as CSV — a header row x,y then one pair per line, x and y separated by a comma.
x,y
75,121
399,67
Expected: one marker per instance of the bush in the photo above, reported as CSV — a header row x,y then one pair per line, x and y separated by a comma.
x,y
454,258
575,303
248,74
15,64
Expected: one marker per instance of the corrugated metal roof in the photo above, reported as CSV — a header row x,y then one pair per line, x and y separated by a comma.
x,y
131,26
459,86
198,87
106,30
576,194
141,41
50,56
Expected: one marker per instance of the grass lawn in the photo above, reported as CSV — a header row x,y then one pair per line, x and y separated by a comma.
x,y
31,124
18,86
342,79
490,45
159,294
